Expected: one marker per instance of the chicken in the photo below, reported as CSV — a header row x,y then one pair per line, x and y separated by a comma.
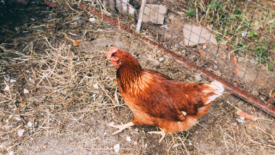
x,y
157,100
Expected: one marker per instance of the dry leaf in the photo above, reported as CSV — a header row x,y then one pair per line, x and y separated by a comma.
x,y
246,115
271,100
201,52
76,43
235,61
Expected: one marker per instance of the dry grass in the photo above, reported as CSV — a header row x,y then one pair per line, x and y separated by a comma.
x,y
73,95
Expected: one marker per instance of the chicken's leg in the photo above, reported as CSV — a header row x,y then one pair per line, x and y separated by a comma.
x,y
121,127
162,133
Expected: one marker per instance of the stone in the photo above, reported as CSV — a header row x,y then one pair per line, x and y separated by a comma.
x,y
198,77
116,148
197,35
124,6
154,13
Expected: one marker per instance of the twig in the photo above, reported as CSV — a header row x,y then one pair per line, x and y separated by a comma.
x,y
184,146
71,7
233,106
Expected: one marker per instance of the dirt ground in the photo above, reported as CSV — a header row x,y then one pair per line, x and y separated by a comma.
x,y
56,98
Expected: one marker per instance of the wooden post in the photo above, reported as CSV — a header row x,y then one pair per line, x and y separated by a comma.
x,y
140,15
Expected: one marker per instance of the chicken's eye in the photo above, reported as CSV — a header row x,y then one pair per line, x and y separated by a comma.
x,y
115,58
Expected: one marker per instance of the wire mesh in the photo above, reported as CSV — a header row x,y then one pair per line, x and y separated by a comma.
x,y
239,46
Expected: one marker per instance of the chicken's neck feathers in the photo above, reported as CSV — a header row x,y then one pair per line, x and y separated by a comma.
x,y
127,75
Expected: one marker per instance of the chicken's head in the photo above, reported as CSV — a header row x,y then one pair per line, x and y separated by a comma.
x,y
111,55
121,58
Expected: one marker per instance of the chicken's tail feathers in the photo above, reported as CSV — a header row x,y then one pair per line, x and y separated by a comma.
x,y
216,91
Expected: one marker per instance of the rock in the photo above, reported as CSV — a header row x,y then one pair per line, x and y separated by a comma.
x,y
92,19
198,77
95,86
239,120
20,132
11,153
151,59
128,138
12,80
29,124
26,91
164,26
244,34
124,6
195,35
161,59
116,148
7,88
154,13
121,5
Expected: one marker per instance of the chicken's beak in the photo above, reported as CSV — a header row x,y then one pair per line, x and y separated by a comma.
x,y
107,58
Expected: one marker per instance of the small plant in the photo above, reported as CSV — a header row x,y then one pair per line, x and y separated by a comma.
x,y
240,48
218,37
252,33
270,67
190,13
261,52
270,30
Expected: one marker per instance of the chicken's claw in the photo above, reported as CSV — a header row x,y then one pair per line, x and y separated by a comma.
x,y
120,127
162,133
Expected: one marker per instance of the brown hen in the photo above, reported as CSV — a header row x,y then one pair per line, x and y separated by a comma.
x,y
157,100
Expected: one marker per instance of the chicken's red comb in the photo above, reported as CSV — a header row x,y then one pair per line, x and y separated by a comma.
x,y
109,54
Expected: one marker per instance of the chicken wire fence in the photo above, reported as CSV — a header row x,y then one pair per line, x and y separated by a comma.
x,y
231,39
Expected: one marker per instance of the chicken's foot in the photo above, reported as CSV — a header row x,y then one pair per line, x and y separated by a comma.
x,y
120,127
162,133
